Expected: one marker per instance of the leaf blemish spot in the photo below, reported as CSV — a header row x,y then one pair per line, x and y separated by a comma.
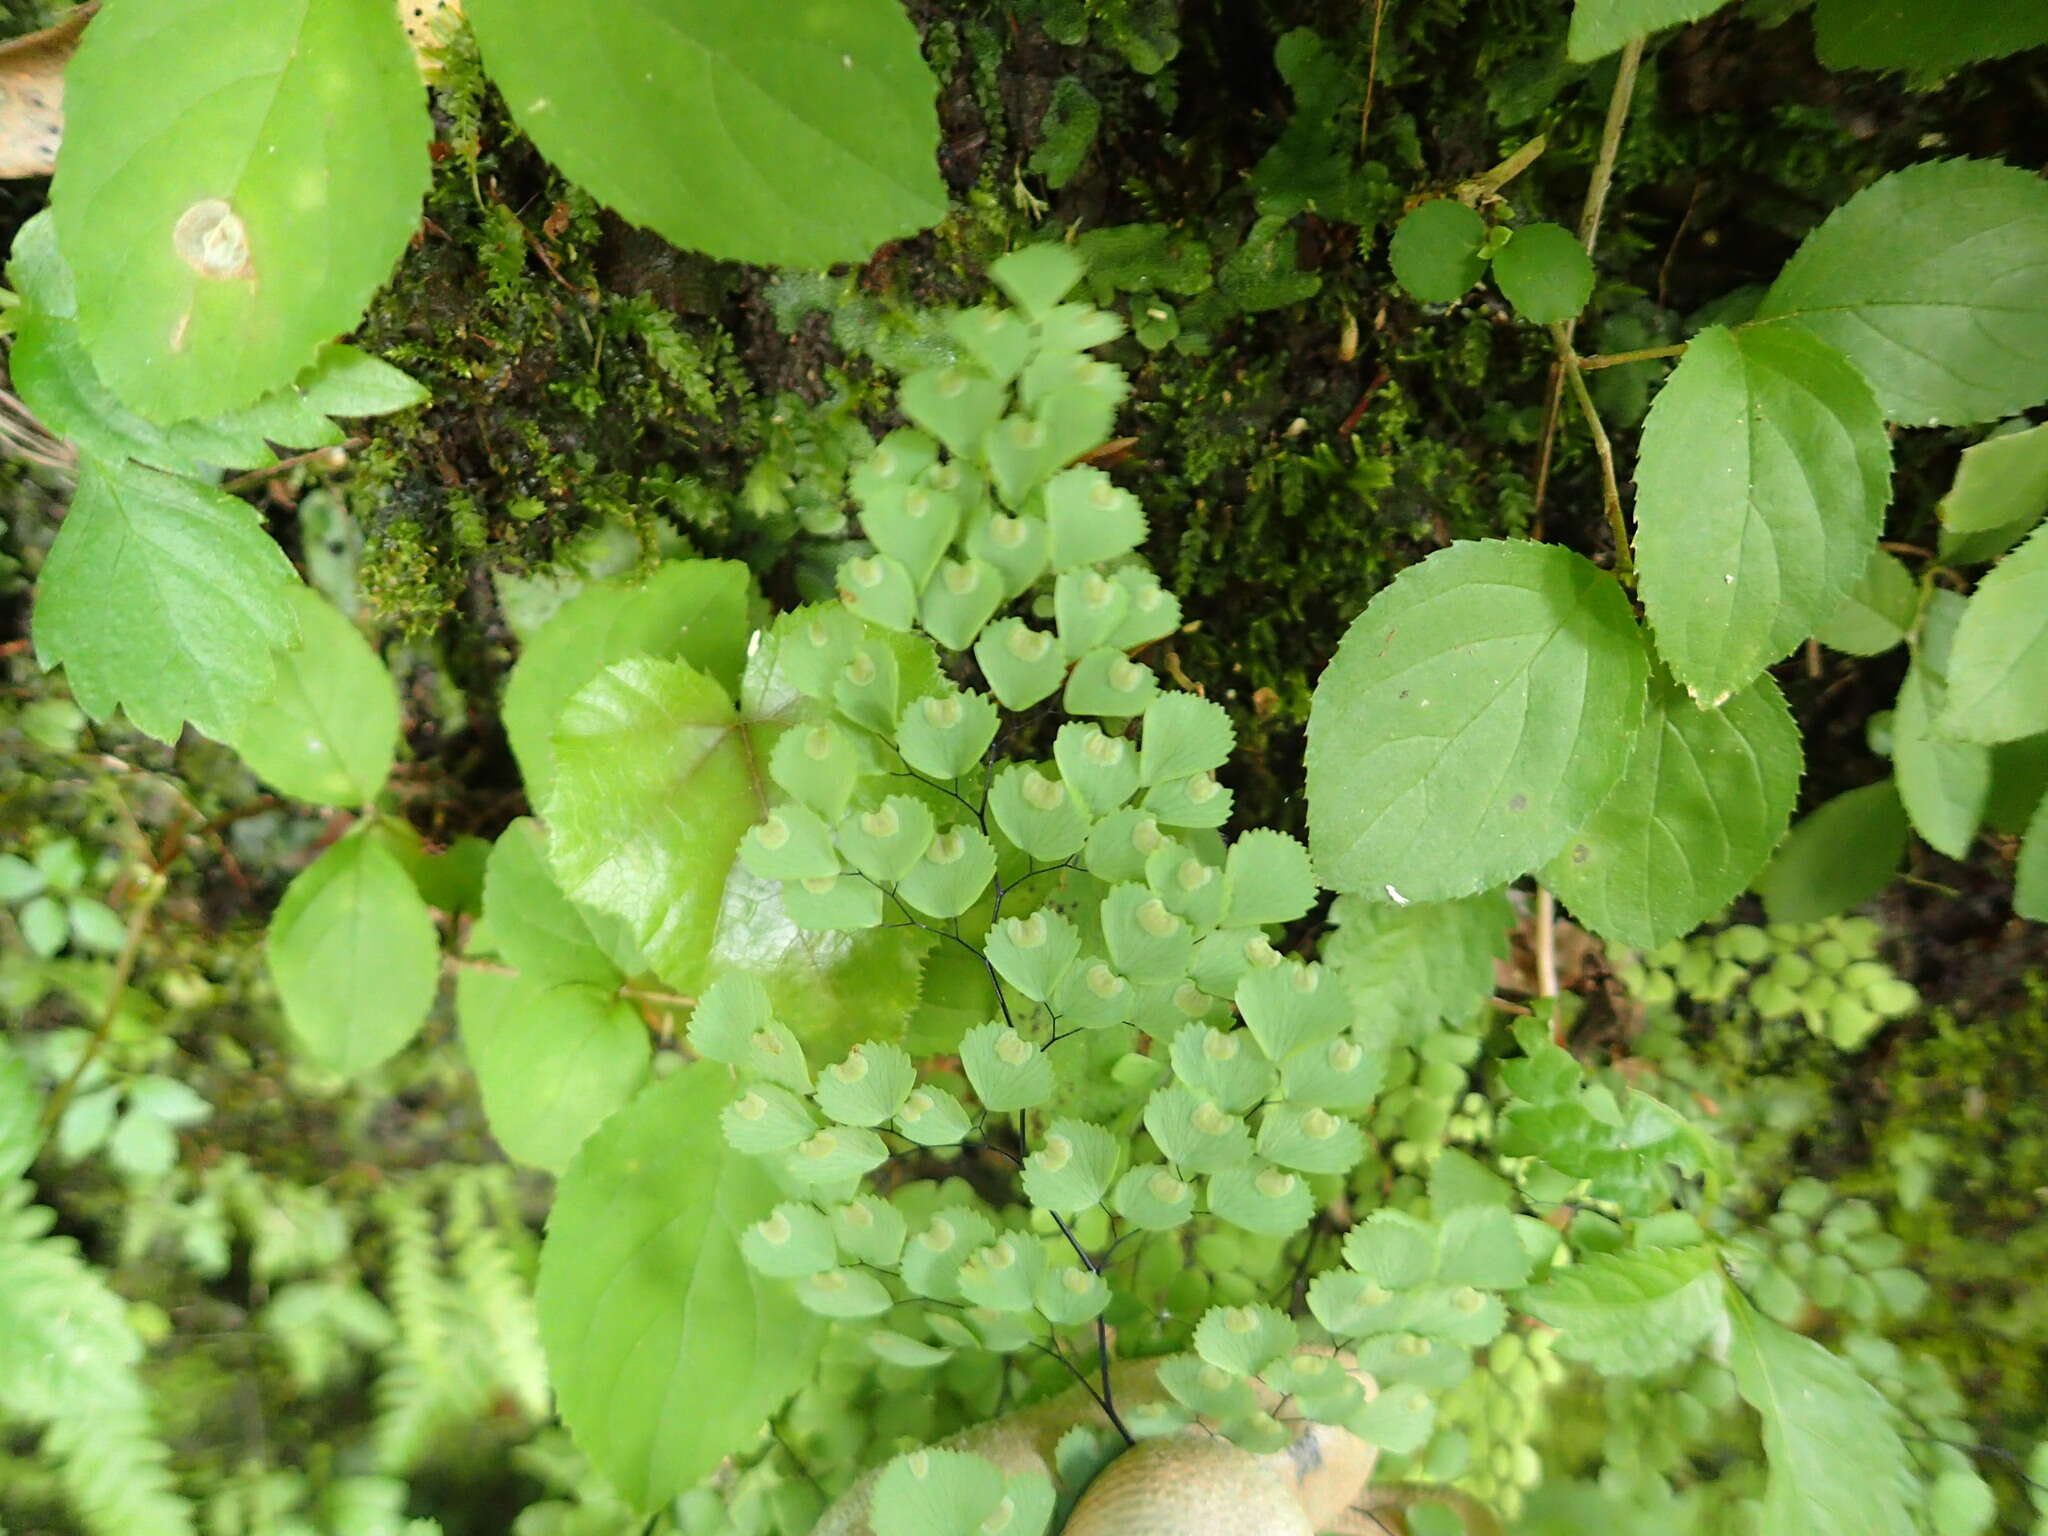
x,y
211,239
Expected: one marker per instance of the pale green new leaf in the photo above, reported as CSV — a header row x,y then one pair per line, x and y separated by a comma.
x,y
1705,798
1944,781
1924,37
687,610
235,182
833,989
666,1351
657,780
2001,481
1761,487
355,956
1998,664
1837,857
1629,1314
58,382
1838,1468
1934,283
552,1059
346,381
1601,26
1418,966
1479,709
164,599
327,731
804,143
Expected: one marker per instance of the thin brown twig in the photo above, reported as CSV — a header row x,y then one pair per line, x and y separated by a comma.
x,y
124,968
1372,69
1589,236
256,477
1610,484
1639,355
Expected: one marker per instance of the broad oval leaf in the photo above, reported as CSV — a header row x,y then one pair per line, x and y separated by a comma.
x,y
1837,857
687,610
552,1059
1599,27
2000,481
1628,1314
327,731
1998,663
1945,782
1705,798
1838,1468
657,779
1934,283
355,955
1761,487
804,143
163,599
667,1352
1479,709
235,181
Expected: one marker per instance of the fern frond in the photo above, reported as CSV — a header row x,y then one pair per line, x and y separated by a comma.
x,y
68,1365
500,1297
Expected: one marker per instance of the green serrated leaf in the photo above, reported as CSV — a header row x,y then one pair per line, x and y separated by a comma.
x,y
655,784
1447,749
1153,1198
644,1296
1998,664
2000,481
1706,797
355,955
208,149
693,611
1266,879
346,381
1926,38
1008,1072
790,1242
1630,1314
1838,1468
1761,487
1877,614
327,729
1417,966
800,146
1072,1168
868,1086
1837,857
1933,283
1599,27
164,599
